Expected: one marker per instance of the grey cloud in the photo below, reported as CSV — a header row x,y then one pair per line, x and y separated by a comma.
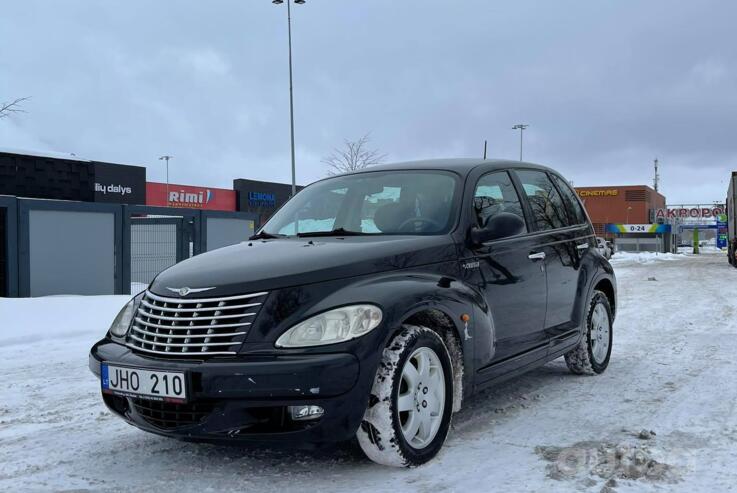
x,y
606,86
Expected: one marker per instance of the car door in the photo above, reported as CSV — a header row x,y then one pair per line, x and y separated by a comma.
x,y
513,284
560,238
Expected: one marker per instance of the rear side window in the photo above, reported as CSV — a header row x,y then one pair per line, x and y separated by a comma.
x,y
495,194
545,201
578,215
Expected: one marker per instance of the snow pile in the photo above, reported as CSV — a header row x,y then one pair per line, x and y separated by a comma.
x,y
644,257
58,318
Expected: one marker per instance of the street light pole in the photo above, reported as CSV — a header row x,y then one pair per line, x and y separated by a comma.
x,y
291,90
166,158
521,127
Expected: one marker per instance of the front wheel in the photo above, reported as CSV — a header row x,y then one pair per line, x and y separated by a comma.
x,y
411,401
593,352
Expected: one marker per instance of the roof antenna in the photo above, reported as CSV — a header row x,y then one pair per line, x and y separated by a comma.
x,y
656,180
484,150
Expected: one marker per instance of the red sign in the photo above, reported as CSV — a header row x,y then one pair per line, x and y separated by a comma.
x,y
216,199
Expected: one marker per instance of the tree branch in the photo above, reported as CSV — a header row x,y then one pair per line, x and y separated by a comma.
x,y
14,106
353,156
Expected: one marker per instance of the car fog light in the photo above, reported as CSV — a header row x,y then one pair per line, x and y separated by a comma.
x,y
301,413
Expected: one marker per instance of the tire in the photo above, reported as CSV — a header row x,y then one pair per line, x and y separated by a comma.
x,y
591,355
386,433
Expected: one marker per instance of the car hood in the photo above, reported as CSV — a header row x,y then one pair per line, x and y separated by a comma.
x,y
265,265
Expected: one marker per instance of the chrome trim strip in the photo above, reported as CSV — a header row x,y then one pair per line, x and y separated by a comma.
x,y
173,344
201,309
191,319
186,336
162,299
186,327
169,353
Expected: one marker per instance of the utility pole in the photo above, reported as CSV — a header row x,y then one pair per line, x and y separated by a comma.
x,y
291,91
166,158
484,150
656,180
521,127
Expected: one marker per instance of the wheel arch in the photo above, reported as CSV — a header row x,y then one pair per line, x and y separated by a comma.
x,y
439,320
606,286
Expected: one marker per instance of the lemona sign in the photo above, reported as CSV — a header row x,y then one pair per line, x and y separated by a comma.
x,y
598,193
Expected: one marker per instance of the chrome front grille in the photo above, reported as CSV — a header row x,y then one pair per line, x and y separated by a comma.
x,y
193,327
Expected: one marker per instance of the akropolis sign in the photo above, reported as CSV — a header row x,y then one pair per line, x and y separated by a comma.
x,y
685,212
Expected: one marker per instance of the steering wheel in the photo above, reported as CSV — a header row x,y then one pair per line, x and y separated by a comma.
x,y
425,220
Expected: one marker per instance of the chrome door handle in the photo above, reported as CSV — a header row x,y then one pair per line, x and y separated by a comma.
x,y
537,256
583,246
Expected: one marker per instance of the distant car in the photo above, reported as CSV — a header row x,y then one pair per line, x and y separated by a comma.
x,y
370,306
604,247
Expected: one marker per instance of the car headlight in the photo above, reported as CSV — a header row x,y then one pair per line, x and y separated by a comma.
x,y
337,325
122,322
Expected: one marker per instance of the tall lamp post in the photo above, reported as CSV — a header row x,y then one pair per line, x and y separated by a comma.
x,y
166,158
291,91
521,127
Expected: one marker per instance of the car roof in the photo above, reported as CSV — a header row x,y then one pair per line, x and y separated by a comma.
x,y
462,166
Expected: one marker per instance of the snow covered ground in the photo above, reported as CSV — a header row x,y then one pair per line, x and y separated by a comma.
x,y
672,372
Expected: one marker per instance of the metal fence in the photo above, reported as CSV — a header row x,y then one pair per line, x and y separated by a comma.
x,y
58,247
3,252
156,244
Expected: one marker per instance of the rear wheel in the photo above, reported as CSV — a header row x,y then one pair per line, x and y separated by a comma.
x,y
593,352
411,401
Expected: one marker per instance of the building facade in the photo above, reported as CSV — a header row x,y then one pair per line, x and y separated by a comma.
x,y
49,175
631,204
261,197
67,177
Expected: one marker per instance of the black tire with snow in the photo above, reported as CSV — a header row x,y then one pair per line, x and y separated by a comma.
x,y
580,360
380,434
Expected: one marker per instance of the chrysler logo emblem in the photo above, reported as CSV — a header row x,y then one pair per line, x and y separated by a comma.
x,y
184,291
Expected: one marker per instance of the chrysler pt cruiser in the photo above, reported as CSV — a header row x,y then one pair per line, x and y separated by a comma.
x,y
370,306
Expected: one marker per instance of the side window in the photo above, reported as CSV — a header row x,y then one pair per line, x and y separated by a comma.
x,y
574,205
494,194
545,201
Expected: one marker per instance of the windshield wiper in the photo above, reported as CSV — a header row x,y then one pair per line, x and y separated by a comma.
x,y
263,235
334,232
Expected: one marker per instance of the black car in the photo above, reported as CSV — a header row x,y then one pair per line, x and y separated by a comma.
x,y
371,305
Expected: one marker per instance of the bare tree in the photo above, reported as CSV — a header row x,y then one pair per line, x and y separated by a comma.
x,y
6,108
355,155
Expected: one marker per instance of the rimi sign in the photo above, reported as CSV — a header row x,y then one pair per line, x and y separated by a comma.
x,y
190,197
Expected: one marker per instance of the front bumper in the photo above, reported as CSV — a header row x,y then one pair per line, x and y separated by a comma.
x,y
245,398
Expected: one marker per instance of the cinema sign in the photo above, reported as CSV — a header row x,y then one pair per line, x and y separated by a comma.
x,y
697,212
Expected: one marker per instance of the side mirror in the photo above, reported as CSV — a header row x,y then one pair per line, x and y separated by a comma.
x,y
502,225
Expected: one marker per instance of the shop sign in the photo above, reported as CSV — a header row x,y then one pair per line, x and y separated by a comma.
x,y
598,193
191,197
261,199
638,228
689,212
722,231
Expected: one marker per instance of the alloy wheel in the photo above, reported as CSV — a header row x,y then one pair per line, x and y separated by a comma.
x,y
600,333
421,399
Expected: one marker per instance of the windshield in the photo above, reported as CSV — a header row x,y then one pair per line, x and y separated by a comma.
x,y
382,202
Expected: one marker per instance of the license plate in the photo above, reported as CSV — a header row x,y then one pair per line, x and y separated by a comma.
x,y
149,384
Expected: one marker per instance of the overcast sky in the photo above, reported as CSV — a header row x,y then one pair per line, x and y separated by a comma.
x,y
606,86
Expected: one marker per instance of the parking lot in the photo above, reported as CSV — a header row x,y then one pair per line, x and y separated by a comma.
x,y
662,418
